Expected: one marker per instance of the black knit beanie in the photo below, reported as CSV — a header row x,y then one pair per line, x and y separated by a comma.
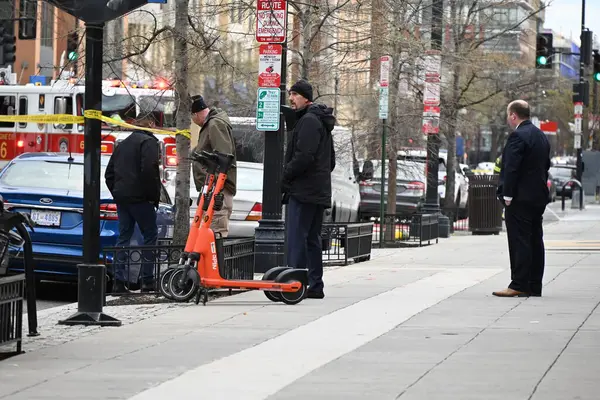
x,y
198,104
304,89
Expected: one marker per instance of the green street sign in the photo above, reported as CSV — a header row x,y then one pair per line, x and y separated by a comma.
x,y
268,109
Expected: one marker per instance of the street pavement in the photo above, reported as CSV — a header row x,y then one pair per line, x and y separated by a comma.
x,y
415,323
50,294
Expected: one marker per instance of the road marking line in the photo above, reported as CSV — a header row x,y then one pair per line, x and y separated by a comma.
x,y
263,370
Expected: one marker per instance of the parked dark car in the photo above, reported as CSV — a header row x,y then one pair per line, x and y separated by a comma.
x,y
561,174
551,188
410,189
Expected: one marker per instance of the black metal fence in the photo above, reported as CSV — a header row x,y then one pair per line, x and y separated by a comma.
x,y
415,231
133,263
12,293
345,242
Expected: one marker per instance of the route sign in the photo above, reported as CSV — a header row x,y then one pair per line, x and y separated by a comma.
x,y
383,102
384,70
267,109
271,21
269,65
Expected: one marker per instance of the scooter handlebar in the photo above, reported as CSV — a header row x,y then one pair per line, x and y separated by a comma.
x,y
204,157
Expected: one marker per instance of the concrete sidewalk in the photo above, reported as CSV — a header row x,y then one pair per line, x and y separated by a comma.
x,y
409,324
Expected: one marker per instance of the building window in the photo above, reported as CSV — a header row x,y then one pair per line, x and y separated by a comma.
x,y
47,38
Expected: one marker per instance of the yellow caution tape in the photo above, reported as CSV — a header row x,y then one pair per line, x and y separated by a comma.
x,y
89,114
43,119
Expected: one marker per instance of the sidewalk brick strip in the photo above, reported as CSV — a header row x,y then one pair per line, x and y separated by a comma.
x,y
417,323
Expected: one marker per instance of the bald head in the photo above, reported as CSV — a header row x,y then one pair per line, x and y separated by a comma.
x,y
517,112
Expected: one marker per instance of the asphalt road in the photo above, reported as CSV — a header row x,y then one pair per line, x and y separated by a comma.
x,y
51,294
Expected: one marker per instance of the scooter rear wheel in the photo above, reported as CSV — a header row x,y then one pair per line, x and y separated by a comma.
x,y
187,291
292,298
163,284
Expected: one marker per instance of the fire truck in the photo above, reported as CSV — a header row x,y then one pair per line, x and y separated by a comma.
x,y
120,100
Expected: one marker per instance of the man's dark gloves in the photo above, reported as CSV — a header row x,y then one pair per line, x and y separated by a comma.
x,y
219,199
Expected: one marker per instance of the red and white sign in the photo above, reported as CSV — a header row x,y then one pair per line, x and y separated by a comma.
x,y
269,65
384,73
431,125
431,111
271,21
433,66
549,127
578,110
431,94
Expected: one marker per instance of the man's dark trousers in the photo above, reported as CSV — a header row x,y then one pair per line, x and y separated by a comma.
x,y
304,222
525,246
144,214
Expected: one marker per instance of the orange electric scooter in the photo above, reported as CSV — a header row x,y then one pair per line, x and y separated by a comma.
x,y
200,272
202,205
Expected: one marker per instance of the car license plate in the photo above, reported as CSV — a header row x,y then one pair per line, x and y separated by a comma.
x,y
45,218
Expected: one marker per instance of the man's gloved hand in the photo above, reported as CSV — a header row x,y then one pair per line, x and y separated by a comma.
x,y
219,200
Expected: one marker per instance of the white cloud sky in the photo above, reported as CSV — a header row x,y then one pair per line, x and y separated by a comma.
x,y
564,16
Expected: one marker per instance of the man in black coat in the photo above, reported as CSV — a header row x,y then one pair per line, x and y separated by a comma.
x,y
523,190
309,161
133,178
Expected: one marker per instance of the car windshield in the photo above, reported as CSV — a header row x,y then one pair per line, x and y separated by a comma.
x,y
41,174
124,107
561,172
406,171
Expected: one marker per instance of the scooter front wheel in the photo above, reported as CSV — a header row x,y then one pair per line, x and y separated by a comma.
x,y
292,298
182,292
163,284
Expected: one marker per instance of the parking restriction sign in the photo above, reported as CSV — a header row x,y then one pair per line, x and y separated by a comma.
x,y
271,21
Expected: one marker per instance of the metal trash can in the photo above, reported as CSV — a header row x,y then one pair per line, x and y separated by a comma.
x,y
485,210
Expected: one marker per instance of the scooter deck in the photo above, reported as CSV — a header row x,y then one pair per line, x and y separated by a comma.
x,y
271,286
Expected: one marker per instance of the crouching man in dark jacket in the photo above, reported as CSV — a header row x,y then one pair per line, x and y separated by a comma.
x,y
309,161
133,178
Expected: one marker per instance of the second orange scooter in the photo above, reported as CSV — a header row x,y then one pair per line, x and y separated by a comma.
x,y
200,271
201,207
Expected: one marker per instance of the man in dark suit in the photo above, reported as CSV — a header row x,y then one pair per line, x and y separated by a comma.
x,y
524,192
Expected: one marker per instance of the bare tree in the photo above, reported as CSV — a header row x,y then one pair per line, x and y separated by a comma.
x,y
182,184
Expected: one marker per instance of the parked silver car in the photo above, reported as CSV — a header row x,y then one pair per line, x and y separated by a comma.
x,y
247,206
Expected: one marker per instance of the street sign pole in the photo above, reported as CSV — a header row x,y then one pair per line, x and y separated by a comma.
x,y
431,118
384,77
582,82
433,70
271,31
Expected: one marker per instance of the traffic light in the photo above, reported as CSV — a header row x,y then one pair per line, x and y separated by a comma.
x,y
544,51
596,61
72,46
8,47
